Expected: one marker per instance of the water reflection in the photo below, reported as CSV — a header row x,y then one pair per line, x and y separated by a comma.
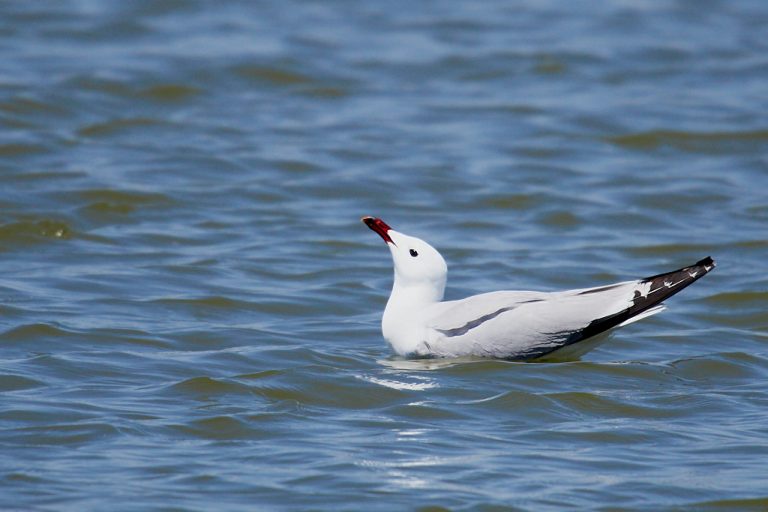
x,y
403,382
397,363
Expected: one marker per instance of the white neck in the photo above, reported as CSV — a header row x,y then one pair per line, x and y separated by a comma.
x,y
400,324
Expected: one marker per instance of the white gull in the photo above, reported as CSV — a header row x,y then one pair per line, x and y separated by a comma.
x,y
515,325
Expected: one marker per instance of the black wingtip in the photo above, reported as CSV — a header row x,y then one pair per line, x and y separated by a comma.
x,y
705,265
663,286
660,288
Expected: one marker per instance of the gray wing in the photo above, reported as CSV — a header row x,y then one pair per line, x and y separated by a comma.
x,y
521,325
528,325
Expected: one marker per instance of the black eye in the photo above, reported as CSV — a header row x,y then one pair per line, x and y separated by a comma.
x,y
414,253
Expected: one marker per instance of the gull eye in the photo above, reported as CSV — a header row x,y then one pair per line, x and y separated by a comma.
x,y
414,253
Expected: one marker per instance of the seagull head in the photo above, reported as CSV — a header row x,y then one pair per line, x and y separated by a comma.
x,y
416,262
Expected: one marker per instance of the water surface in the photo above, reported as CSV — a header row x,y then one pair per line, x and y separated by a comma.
x,y
190,307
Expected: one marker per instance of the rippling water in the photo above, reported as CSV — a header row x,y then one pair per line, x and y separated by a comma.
x,y
189,306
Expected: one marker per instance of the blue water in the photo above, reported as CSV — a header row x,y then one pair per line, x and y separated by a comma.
x,y
190,308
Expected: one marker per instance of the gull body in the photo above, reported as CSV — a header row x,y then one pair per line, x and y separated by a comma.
x,y
516,325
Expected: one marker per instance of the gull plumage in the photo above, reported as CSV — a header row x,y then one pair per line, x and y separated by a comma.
x,y
515,325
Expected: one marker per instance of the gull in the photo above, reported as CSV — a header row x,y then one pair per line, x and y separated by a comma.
x,y
513,325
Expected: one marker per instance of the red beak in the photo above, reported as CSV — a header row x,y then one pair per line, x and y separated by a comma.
x,y
380,227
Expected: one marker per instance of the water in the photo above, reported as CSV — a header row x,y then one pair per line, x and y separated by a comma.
x,y
189,305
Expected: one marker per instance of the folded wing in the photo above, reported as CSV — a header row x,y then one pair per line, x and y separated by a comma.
x,y
530,325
